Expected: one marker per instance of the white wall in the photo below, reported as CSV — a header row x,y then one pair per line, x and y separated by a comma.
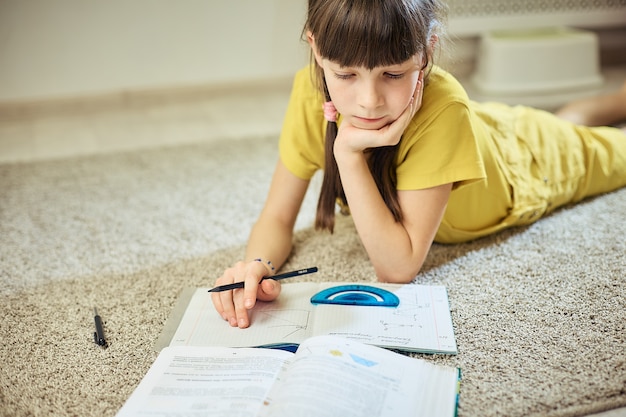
x,y
69,48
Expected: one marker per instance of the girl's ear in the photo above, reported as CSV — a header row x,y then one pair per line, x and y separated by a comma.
x,y
311,40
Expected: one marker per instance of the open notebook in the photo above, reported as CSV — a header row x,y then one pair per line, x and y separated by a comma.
x,y
420,323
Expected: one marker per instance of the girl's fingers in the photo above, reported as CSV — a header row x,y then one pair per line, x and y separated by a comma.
x,y
241,311
416,100
217,303
233,305
269,290
221,301
227,300
396,129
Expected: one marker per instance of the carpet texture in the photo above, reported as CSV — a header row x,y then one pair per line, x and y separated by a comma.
x,y
539,312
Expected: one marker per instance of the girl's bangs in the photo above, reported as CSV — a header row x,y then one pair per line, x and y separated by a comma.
x,y
368,36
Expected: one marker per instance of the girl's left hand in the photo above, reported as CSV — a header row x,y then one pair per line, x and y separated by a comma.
x,y
355,140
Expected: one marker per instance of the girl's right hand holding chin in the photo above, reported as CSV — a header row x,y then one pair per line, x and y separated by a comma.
x,y
233,305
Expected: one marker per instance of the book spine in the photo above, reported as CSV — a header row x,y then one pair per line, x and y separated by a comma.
x,y
458,392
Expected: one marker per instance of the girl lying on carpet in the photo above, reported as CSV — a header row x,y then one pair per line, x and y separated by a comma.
x,y
413,158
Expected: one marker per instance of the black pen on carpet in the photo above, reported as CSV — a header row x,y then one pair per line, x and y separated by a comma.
x,y
278,277
98,335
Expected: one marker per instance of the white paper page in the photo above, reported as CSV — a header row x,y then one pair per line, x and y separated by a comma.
x,y
285,320
422,322
186,381
339,377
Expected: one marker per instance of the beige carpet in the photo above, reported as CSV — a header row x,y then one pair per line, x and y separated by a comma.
x,y
539,313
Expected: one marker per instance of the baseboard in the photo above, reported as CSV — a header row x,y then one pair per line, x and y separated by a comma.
x,y
23,109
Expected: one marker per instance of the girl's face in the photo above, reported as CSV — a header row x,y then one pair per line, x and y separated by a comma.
x,y
371,99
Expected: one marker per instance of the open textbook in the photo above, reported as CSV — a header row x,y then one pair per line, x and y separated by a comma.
x,y
421,322
326,377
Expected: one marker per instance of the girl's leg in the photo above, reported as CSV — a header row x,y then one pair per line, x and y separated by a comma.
x,y
605,110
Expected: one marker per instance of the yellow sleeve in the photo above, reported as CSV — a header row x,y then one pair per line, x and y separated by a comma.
x,y
301,144
442,144
440,148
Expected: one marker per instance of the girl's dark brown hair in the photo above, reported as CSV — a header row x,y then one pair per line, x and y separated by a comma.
x,y
368,33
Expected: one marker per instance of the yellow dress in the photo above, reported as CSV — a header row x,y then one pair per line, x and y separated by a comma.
x,y
509,165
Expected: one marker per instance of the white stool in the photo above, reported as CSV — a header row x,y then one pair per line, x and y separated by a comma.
x,y
537,62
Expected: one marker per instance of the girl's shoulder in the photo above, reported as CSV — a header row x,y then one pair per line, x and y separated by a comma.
x,y
445,106
304,85
443,88
443,100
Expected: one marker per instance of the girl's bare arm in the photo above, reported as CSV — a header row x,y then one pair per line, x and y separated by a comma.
x,y
397,250
270,240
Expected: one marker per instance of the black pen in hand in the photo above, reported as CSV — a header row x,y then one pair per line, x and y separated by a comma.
x,y
275,277
98,335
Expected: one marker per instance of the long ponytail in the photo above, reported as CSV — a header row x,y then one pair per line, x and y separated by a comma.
x,y
381,165
332,189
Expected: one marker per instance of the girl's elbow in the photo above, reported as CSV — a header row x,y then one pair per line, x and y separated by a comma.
x,y
401,272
